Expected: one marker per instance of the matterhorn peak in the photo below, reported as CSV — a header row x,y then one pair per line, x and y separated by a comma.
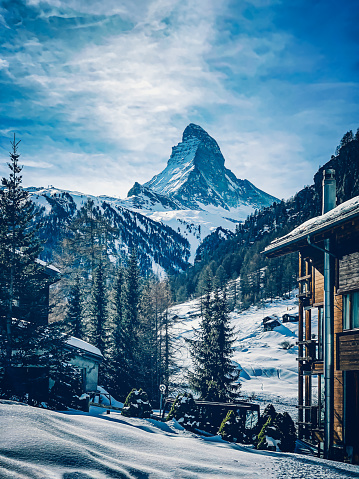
x,y
195,176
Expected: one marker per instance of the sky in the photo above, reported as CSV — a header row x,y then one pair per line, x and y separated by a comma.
x,y
100,91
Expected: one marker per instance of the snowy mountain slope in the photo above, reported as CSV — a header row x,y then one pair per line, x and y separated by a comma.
x,y
159,247
268,371
38,443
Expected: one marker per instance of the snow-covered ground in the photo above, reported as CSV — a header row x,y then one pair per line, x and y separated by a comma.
x,y
40,444
268,372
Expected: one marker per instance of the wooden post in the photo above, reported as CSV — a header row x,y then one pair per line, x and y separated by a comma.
x,y
300,355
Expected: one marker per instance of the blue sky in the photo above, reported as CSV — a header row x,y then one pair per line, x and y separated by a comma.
x,y
99,91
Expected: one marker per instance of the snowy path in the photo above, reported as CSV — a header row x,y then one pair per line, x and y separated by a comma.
x,y
41,444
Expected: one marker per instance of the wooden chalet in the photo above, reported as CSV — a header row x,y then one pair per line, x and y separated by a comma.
x,y
328,324
270,322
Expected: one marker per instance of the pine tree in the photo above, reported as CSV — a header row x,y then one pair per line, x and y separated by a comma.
x,y
124,349
74,314
224,384
214,376
98,310
201,347
19,249
118,370
25,337
148,336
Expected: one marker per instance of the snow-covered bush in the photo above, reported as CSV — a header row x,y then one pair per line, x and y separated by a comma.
x,y
184,410
277,431
287,435
266,430
232,428
137,404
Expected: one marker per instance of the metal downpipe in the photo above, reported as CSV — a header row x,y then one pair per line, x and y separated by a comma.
x,y
328,203
328,351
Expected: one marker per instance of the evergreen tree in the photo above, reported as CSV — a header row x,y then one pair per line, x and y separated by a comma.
x,y
118,368
124,350
201,347
132,292
25,338
224,384
214,376
98,311
19,249
74,315
148,340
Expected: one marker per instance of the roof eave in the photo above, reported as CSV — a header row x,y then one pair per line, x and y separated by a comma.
x,y
297,242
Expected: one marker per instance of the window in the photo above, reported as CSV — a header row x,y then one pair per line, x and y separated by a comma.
x,y
351,310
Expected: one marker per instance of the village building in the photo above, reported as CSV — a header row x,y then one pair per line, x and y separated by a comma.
x,y
270,322
290,318
87,359
328,324
34,379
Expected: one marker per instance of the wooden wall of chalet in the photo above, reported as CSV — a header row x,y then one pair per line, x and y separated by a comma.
x,y
349,272
338,375
348,350
318,287
318,300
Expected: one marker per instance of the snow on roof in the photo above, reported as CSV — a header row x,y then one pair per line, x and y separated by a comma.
x,y
85,346
344,212
48,266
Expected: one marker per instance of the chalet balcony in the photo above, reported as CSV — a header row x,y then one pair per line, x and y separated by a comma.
x,y
348,350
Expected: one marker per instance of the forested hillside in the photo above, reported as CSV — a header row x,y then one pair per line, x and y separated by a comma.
x,y
227,257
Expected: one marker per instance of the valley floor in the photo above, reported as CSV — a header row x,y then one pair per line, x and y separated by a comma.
x,y
40,444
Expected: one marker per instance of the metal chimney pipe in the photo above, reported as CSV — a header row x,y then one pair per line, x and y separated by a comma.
x,y
329,198
328,203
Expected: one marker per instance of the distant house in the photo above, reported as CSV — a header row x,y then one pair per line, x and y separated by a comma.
x,y
270,322
87,359
290,318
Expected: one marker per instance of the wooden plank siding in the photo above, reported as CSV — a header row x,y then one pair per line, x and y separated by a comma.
x,y
349,272
338,375
348,351
319,287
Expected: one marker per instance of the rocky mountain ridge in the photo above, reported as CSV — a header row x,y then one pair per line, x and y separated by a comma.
x,y
195,177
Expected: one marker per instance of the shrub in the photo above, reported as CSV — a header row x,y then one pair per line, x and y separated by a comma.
x,y
184,410
261,442
280,427
231,428
286,431
137,405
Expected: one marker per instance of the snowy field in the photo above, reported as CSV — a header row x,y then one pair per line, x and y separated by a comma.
x,y
268,372
40,444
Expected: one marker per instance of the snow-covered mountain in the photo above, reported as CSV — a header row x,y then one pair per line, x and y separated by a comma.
x,y
195,177
159,247
196,194
168,217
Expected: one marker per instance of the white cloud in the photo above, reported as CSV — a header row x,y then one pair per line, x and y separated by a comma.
x,y
127,96
4,64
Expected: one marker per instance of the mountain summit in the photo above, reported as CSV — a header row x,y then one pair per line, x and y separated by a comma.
x,y
195,177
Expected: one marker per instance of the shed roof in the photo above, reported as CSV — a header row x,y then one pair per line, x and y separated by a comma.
x,y
322,224
84,345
